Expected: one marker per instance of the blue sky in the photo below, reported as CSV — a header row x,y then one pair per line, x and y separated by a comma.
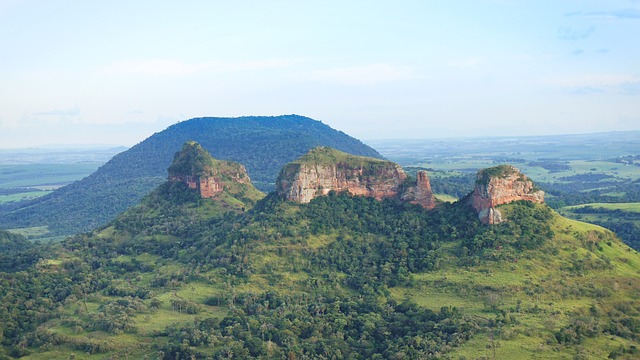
x,y
114,72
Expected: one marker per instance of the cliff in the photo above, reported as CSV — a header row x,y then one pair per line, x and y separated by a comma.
x,y
324,169
421,192
501,185
194,166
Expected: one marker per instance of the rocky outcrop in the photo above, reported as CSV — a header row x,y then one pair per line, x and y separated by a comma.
x,y
194,166
421,192
325,169
501,185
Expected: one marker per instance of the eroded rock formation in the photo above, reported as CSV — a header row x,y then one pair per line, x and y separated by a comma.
x,y
420,193
194,166
501,185
324,169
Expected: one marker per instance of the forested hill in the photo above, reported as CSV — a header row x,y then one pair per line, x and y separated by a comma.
x,y
340,277
262,144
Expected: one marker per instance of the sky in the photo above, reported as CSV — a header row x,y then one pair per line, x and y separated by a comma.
x,y
115,72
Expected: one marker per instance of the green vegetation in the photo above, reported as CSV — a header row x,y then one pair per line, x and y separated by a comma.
x,y
43,175
445,197
624,207
623,218
22,195
572,170
340,277
240,276
325,155
192,160
500,171
24,182
262,144
16,253
447,183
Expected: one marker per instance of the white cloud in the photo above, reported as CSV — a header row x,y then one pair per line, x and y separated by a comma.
x,y
621,14
601,83
172,67
64,112
567,33
359,75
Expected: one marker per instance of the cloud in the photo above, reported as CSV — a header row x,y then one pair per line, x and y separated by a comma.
x,y
171,67
622,14
567,33
630,88
359,75
577,52
602,51
584,90
62,113
601,83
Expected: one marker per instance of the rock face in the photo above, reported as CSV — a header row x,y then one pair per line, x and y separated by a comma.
x,y
501,185
420,193
194,166
325,169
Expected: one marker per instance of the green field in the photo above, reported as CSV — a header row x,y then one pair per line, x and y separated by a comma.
x,y
29,181
23,182
446,198
628,207
43,175
27,195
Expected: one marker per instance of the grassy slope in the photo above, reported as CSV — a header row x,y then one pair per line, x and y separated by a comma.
x,y
629,207
535,294
329,156
445,197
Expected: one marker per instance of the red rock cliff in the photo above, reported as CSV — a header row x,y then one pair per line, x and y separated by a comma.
x,y
309,181
501,185
324,169
210,185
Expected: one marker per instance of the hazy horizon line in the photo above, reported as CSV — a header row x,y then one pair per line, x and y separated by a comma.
x,y
103,146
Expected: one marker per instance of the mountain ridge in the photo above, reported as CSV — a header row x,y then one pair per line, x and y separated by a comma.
x,y
262,144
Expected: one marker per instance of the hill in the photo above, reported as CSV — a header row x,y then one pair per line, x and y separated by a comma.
x,y
262,144
342,276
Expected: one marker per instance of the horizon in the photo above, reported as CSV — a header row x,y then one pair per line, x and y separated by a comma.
x,y
117,72
90,146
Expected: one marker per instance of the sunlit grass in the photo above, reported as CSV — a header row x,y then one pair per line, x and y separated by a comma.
x,y
446,198
630,207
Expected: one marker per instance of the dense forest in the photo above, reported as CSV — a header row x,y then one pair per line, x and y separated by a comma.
x,y
16,252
